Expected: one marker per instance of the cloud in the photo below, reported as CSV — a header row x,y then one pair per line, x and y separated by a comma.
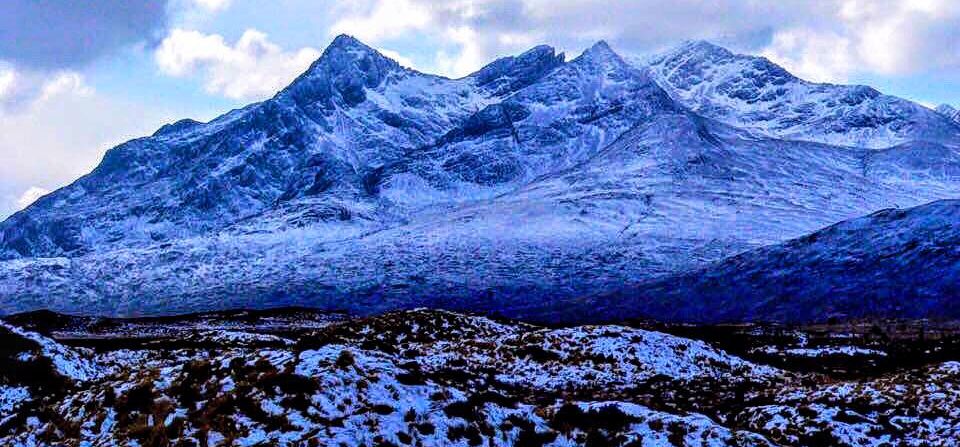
x,y
213,5
7,79
252,68
375,21
31,195
469,33
827,40
51,35
401,59
886,37
814,56
61,133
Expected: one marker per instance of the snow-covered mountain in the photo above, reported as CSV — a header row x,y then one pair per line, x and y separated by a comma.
x,y
754,93
893,263
366,186
301,156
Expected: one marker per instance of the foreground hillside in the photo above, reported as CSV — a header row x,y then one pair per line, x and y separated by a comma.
x,y
435,378
893,263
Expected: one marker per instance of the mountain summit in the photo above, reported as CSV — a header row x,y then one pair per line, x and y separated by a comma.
x,y
342,74
753,92
518,189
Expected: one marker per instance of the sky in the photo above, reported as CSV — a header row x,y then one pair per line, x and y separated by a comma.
x,y
77,78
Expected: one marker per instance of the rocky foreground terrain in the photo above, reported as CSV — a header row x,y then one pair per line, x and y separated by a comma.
x,y
422,377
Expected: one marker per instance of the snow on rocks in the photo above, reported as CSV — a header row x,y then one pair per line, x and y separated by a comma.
x,y
238,338
65,362
10,399
912,408
438,378
360,383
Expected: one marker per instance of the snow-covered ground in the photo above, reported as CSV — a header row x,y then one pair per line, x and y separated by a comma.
x,y
437,378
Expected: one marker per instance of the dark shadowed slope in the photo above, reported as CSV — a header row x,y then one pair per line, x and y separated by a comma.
x,y
893,263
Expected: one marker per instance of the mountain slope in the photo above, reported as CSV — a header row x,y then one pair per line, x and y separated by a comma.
x,y
893,263
672,194
754,93
950,112
561,120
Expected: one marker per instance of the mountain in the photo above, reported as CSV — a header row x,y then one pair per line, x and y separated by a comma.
x,y
300,157
893,263
752,92
563,119
364,186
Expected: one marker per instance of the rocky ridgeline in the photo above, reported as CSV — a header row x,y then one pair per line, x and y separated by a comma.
x,y
440,378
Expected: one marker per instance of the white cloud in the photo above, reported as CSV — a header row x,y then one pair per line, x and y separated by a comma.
x,y
376,21
67,82
213,5
466,34
253,68
7,78
61,133
450,23
886,37
31,195
401,59
818,57
828,40
470,57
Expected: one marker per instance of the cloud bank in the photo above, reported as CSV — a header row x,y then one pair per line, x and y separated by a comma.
x,y
827,40
253,68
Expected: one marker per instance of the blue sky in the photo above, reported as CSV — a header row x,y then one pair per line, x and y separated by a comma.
x,y
77,78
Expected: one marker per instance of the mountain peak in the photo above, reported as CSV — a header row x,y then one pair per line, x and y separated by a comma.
x,y
345,43
345,68
700,57
348,42
515,72
696,52
601,52
703,47
601,48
